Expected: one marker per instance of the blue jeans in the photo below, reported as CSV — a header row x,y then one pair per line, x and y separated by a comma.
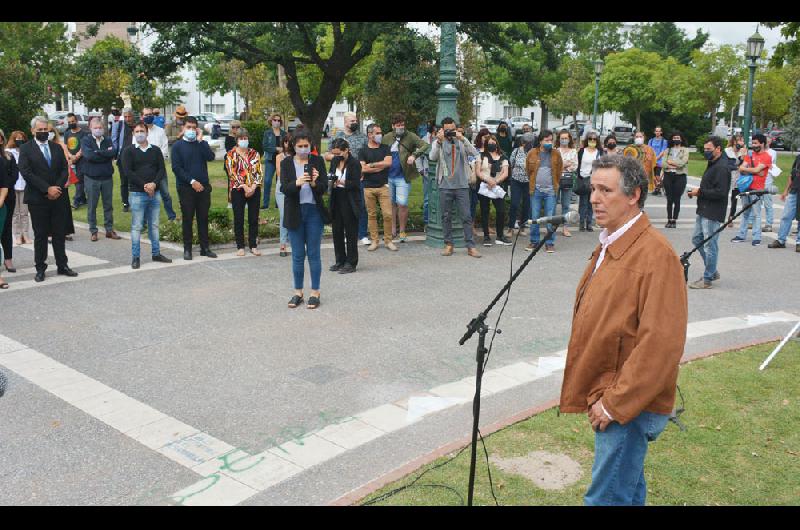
x,y
619,453
399,190
144,207
585,210
520,199
362,217
753,215
565,197
279,196
306,240
710,251
541,199
163,190
789,211
269,172
767,200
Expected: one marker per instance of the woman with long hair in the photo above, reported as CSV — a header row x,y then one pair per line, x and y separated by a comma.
x,y
286,150
8,177
243,165
675,176
569,155
345,205
493,173
21,219
590,152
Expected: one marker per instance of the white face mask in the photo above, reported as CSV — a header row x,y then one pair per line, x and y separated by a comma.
x,y
638,141
140,138
244,144
51,135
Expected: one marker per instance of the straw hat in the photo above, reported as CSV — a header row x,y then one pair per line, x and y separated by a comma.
x,y
180,112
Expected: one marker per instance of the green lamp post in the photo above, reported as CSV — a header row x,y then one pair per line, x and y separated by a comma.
x,y
755,45
447,96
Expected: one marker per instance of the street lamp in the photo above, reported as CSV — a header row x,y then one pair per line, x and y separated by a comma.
x,y
598,69
755,45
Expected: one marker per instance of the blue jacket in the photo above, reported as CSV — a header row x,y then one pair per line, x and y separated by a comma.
x,y
97,161
269,144
190,162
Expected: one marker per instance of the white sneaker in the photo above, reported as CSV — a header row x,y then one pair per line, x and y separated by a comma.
x,y
365,241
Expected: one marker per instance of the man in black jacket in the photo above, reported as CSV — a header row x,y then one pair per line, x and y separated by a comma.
x,y
98,153
45,169
712,201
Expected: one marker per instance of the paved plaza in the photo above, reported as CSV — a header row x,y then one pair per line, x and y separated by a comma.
x,y
192,383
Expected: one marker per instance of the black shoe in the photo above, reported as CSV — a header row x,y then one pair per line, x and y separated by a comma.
x,y
335,267
39,276
126,208
347,269
135,263
207,253
776,244
66,271
162,259
187,254
589,228
487,241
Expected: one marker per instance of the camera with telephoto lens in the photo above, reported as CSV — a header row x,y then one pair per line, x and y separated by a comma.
x,y
450,133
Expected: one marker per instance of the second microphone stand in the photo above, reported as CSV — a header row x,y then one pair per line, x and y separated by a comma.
x,y
478,324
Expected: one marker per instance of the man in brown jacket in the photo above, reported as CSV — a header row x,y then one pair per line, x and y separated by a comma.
x,y
628,334
544,166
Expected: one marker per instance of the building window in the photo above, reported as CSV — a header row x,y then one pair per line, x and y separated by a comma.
x,y
510,111
216,109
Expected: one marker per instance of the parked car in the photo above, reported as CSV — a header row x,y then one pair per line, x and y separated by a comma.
x,y
624,133
209,124
517,122
777,139
576,130
59,120
225,122
293,123
490,124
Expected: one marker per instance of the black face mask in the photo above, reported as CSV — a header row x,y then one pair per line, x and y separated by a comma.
x,y
73,125
353,127
42,136
491,148
612,146
756,148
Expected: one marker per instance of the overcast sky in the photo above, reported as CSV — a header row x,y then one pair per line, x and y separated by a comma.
x,y
733,32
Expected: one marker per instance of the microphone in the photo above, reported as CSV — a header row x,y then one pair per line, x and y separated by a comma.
x,y
769,190
3,382
571,217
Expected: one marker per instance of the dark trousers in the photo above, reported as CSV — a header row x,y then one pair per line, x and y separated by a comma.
x,y
166,199
6,240
238,202
499,214
195,203
80,191
345,228
734,199
49,220
520,203
123,187
674,185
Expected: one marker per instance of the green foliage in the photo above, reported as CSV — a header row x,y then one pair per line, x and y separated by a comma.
x,y
719,76
667,40
256,129
771,96
22,95
403,79
629,84
788,50
595,40
578,82
793,122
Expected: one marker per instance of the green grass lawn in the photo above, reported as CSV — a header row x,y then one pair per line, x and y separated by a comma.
x,y
697,166
741,446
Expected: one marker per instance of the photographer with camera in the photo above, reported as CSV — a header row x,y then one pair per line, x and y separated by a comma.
x,y
452,177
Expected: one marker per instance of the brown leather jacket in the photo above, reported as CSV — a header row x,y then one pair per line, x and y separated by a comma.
x,y
532,167
628,328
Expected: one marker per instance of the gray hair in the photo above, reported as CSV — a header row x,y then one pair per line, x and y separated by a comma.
x,y
127,110
631,173
242,133
371,127
528,137
38,119
349,114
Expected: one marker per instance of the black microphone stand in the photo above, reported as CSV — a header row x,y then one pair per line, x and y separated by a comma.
x,y
479,324
686,255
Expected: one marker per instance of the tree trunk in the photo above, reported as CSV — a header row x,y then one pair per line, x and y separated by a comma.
x,y
713,119
638,120
313,115
544,119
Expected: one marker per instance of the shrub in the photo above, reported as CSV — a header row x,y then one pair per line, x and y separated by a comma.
x,y
256,130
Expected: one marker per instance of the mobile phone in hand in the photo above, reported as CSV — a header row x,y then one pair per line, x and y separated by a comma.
x,y
306,169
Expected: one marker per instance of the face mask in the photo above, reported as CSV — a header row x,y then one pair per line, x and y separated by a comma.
x,y
399,131
97,133
547,146
140,138
244,144
740,146
591,143
708,154
73,125
501,130
51,135
676,143
149,119
638,141
612,146
42,136
378,138
276,124
756,148
564,141
302,151
491,148
190,135
353,126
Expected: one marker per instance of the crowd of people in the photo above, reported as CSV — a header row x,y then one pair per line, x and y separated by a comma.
x,y
363,173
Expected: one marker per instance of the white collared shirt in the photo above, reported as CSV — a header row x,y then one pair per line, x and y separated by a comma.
x,y
143,149
606,240
157,137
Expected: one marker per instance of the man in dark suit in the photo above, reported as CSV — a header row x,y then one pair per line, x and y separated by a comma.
x,y
44,167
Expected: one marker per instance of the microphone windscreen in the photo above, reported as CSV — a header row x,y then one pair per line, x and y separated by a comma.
x,y
572,217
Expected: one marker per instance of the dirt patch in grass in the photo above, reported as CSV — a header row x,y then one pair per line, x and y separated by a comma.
x,y
549,471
